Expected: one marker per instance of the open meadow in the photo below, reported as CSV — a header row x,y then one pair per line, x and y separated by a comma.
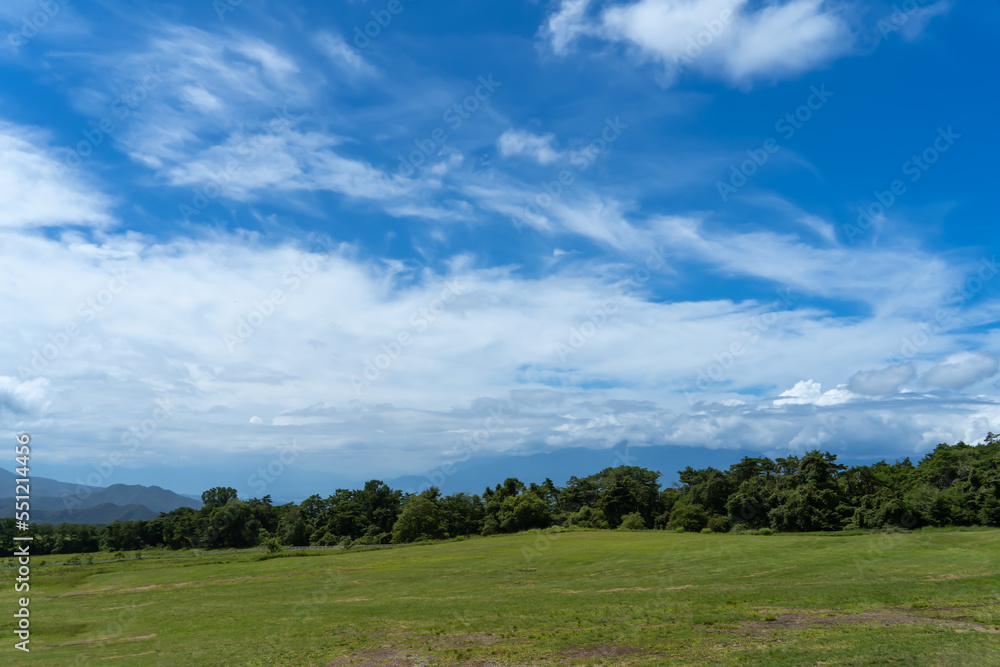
x,y
927,597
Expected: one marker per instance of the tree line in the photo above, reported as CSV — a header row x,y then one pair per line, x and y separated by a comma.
x,y
955,485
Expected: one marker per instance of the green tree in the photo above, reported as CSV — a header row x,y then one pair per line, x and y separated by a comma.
x,y
523,512
691,518
420,519
217,497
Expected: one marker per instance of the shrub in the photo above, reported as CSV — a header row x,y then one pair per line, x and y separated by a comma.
x,y
632,521
706,531
691,518
718,524
273,545
765,531
118,555
490,526
588,517
679,529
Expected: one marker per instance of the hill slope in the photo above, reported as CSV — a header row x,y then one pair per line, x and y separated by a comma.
x,y
53,501
100,514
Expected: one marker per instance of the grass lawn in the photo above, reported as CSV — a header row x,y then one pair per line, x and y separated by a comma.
x,y
579,598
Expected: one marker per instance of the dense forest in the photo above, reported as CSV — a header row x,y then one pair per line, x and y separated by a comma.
x,y
955,485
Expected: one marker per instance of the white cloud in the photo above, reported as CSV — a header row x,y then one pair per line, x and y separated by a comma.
x,y
728,39
538,147
37,188
884,381
228,112
22,398
807,392
278,158
568,23
961,369
893,280
493,343
340,53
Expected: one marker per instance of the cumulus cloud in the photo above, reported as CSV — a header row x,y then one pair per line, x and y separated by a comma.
x,y
733,40
961,369
884,381
807,392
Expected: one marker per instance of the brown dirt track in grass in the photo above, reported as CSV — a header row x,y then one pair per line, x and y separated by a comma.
x,y
799,620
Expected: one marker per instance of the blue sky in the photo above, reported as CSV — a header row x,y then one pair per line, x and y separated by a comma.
x,y
370,228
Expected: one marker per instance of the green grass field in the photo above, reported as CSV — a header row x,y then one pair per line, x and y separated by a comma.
x,y
578,598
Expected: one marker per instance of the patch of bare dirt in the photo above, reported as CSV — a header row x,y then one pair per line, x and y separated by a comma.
x,y
758,574
634,588
417,597
129,606
949,577
151,587
798,620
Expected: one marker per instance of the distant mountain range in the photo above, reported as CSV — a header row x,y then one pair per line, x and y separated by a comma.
x,y
53,501
125,502
475,475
